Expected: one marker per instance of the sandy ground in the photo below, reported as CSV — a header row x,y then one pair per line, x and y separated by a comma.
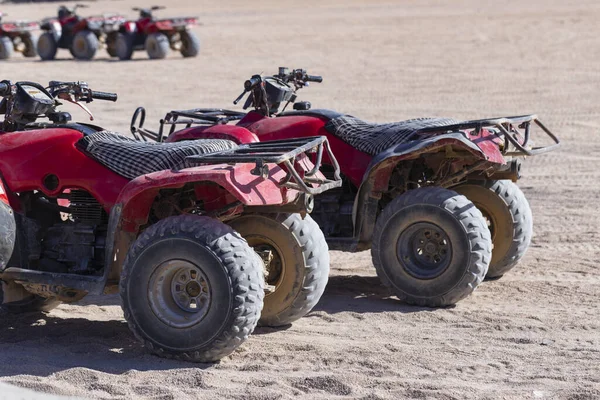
x,y
533,334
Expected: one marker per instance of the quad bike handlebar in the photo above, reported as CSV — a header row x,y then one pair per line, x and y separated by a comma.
x,y
80,91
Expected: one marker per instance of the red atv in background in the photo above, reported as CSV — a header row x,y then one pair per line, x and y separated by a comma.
x,y
17,36
156,36
429,196
186,236
82,36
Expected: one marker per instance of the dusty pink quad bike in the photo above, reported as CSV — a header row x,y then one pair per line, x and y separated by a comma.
x,y
195,245
17,36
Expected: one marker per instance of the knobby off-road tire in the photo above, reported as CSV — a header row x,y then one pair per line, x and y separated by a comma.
x,y
32,304
179,258
47,46
431,246
190,44
85,45
6,48
510,220
157,46
124,46
30,42
300,266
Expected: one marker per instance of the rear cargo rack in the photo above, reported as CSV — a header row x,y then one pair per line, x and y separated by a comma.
x,y
284,154
507,128
196,116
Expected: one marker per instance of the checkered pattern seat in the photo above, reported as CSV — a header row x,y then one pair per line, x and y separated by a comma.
x,y
373,138
132,158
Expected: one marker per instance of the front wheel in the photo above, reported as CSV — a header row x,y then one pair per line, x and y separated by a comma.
x,y
47,46
6,48
509,218
124,46
85,45
296,257
191,288
432,246
190,44
157,45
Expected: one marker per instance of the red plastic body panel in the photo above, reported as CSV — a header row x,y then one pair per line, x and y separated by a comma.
x,y
232,132
3,194
27,157
236,180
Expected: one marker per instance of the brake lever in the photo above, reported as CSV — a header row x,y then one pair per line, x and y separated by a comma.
x,y
240,97
71,99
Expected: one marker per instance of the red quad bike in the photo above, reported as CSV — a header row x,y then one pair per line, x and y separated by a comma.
x,y
86,211
156,36
17,36
431,197
82,36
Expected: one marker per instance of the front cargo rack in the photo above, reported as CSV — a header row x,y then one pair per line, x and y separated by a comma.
x,y
513,130
175,118
283,153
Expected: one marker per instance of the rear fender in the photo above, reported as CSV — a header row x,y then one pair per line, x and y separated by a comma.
x,y
232,132
379,171
217,185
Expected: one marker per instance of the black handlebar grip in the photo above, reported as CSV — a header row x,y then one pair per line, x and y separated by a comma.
x,y
250,83
4,88
104,96
314,78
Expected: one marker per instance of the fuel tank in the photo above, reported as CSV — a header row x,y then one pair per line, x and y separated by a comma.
x,y
47,160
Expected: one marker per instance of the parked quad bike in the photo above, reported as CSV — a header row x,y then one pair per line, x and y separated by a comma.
x,y
429,196
82,36
156,36
87,211
17,36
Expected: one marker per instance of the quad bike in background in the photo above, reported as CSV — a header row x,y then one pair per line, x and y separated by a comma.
x,y
17,36
430,196
82,36
156,36
87,211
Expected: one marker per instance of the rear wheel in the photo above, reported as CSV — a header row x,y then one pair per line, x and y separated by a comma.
x,y
31,303
47,46
6,48
85,45
30,42
431,246
157,45
191,289
190,44
509,218
124,46
296,256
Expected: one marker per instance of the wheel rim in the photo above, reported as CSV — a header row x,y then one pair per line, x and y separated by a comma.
x,y
80,46
272,258
179,293
424,250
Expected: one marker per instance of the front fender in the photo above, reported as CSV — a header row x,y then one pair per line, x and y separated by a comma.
x,y
378,173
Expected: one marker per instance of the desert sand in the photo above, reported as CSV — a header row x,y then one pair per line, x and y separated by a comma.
x,y
535,333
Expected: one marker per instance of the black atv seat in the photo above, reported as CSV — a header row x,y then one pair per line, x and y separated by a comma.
x,y
131,158
372,138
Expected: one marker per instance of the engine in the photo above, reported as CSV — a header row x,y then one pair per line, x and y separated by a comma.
x,y
333,209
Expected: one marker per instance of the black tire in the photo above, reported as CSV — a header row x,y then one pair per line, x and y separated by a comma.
x,y
32,304
230,281
47,46
124,46
30,42
300,267
157,46
111,44
509,217
84,45
431,246
190,44
7,48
